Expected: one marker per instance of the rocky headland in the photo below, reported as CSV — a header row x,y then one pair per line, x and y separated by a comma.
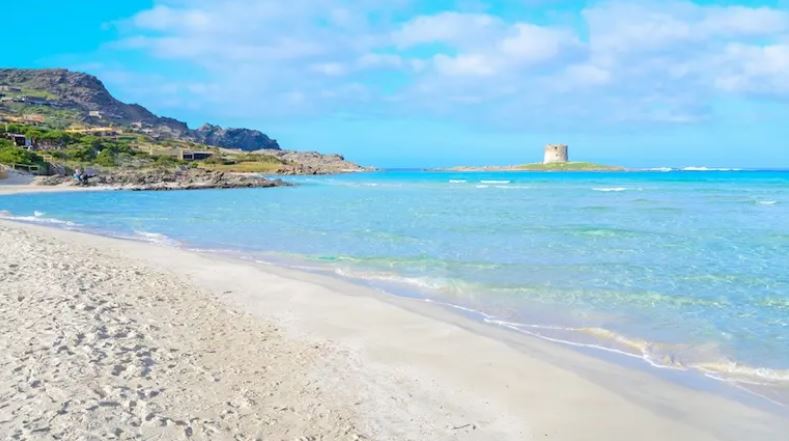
x,y
57,121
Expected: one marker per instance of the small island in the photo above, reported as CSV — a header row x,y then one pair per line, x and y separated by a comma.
x,y
556,158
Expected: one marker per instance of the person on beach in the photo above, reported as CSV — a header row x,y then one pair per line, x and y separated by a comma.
x,y
81,175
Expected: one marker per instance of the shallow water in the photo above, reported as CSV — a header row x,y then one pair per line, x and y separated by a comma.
x,y
685,269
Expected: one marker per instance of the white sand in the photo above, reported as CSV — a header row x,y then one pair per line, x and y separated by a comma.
x,y
108,339
13,182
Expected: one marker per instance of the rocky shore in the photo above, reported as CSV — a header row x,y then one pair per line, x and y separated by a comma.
x,y
169,179
313,163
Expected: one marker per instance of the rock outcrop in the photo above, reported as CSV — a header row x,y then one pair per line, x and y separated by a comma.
x,y
168,179
86,96
244,139
314,163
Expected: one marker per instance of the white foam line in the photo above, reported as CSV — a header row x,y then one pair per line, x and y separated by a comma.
x,y
738,385
518,327
608,189
36,219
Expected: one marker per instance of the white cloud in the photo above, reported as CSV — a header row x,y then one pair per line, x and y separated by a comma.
x,y
621,26
379,61
755,69
467,64
742,21
583,75
658,61
532,43
331,69
448,27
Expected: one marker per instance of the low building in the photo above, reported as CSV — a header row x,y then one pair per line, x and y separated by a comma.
x,y
35,101
19,140
95,114
188,155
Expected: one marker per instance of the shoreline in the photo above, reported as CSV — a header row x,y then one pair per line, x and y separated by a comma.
x,y
8,190
526,379
725,377
733,385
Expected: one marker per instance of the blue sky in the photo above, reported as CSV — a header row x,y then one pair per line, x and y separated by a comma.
x,y
415,83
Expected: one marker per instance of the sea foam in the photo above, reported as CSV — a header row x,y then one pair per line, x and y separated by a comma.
x,y
609,189
37,218
157,238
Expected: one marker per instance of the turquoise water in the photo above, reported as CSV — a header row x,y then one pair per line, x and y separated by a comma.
x,y
685,269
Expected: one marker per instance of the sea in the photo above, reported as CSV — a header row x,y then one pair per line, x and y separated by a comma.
x,y
681,269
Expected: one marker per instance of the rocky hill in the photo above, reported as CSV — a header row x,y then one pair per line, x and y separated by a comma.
x,y
244,139
62,98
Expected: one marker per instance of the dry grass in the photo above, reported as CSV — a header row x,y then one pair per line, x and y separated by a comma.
x,y
245,167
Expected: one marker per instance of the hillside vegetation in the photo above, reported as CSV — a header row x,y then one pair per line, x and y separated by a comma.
x,y
70,150
70,120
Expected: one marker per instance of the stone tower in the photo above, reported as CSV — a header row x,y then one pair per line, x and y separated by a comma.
x,y
555,153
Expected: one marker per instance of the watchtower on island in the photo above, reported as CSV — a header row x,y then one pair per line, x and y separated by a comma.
x,y
555,153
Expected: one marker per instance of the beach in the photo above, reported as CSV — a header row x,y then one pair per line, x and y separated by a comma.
x,y
115,339
395,221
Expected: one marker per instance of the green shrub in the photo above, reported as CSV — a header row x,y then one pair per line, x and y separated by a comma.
x,y
81,153
166,161
106,158
57,137
11,154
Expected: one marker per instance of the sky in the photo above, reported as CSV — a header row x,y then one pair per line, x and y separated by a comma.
x,y
407,83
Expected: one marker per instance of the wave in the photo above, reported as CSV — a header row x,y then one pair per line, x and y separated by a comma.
x,y
658,355
37,218
705,360
482,186
692,168
729,370
767,202
493,181
608,189
457,181
156,238
659,169
419,282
